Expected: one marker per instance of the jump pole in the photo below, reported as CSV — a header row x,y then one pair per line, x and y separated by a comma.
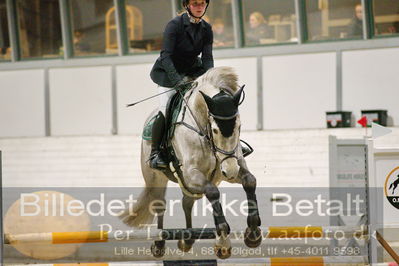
x,y
314,261
176,234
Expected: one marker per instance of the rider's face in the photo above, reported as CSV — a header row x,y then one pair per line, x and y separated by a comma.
x,y
197,7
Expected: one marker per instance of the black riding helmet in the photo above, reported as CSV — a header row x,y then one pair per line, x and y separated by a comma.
x,y
185,5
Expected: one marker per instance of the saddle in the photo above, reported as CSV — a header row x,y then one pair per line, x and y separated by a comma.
x,y
173,109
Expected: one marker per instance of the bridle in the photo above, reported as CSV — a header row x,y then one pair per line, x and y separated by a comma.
x,y
208,134
215,149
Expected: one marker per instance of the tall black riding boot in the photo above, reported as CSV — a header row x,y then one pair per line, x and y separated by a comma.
x,y
156,159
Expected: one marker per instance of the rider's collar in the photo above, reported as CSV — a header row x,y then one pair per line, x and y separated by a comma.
x,y
192,20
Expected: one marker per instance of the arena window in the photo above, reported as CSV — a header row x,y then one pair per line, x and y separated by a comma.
x,y
386,17
334,20
5,50
89,27
220,16
269,22
39,28
145,23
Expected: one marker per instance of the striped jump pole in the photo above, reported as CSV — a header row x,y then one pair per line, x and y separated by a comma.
x,y
176,234
387,246
308,261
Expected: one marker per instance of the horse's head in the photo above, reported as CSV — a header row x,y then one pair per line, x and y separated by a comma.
x,y
224,129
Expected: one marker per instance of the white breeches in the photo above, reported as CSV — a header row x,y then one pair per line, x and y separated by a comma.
x,y
164,98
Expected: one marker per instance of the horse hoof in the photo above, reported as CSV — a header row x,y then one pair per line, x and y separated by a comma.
x,y
252,239
157,252
223,227
185,245
223,252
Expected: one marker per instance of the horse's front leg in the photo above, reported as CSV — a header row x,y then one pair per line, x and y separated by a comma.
x,y
253,236
223,245
213,195
186,244
198,183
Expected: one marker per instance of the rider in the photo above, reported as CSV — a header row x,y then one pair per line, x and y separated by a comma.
x,y
185,37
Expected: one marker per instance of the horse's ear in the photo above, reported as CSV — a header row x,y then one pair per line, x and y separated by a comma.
x,y
237,95
208,100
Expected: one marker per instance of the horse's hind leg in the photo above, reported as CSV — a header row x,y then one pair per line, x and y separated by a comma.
x,y
186,244
158,248
253,236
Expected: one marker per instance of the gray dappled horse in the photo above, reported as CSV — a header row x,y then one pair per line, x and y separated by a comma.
x,y
206,143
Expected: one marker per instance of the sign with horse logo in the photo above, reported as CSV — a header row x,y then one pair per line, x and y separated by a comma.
x,y
392,187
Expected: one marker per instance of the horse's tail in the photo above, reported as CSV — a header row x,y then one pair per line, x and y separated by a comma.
x,y
140,213
390,186
148,203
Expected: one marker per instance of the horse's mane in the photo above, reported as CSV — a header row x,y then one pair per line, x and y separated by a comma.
x,y
218,78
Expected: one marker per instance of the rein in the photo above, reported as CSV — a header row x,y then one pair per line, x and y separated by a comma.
x,y
200,130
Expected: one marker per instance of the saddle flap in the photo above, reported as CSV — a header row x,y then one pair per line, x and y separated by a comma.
x,y
172,112
147,130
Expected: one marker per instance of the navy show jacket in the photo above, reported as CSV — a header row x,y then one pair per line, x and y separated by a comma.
x,y
183,42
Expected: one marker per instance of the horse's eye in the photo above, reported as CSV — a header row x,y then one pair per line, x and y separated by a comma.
x,y
215,131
